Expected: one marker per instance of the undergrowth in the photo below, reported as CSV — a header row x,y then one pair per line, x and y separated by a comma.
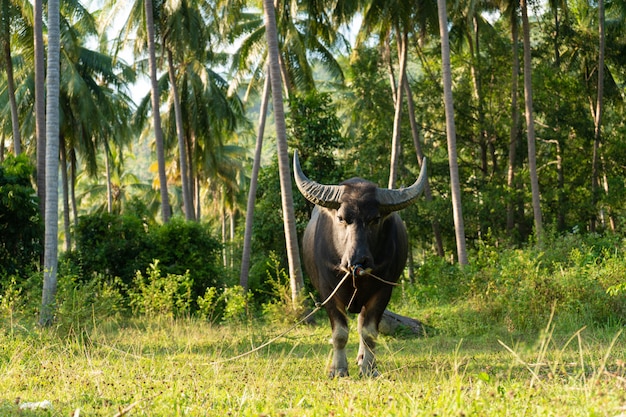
x,y
514,290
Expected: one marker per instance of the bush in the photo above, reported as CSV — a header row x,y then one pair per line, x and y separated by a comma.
x,y
516,289
83,305
156,295
188,247
119,246
21,229
111,245
231,306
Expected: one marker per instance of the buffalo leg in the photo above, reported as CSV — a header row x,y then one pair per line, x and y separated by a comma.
x,y
339,324
368,333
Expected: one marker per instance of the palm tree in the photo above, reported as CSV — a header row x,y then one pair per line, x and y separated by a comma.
x,y
156,112
511,10
247,239
530,123
94,109
8,14
302,34
40,105
293,254
52,165
451,134
597,120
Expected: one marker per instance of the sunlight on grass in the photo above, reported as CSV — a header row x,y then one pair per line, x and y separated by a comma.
x,y
164,368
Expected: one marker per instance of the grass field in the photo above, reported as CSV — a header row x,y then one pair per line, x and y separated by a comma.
x,y
170,368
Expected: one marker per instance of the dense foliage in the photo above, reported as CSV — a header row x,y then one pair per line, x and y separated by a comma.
x,y
21,230
116,246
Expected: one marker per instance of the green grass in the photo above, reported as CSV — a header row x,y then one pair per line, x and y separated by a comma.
x,y
167,368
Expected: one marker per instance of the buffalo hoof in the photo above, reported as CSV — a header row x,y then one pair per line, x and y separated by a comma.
x,y
338,373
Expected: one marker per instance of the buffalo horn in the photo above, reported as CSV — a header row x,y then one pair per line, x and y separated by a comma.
x,y
320,194
394,200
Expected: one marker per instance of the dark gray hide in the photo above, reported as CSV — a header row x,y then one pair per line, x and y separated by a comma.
x,y
354,225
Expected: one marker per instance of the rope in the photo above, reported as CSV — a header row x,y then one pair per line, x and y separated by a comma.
x,y
354,271
317,308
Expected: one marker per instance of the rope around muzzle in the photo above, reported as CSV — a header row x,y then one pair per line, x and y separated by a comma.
x,y
354,271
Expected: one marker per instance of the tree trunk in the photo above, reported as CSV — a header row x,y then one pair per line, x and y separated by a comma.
x,y
530,125
293,253
40,106
392,323
451,135
8,63
156,112
247,238
397,119
514,137
66,197
182,150
52,166
107,163
597,119
428,195
73,186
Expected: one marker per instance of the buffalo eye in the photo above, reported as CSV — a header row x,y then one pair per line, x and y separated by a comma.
x,y
343,220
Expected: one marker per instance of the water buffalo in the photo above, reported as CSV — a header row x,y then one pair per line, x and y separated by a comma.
x,y
355,230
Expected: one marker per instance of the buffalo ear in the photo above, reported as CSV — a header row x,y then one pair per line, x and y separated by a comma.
x,y
322,195
394,200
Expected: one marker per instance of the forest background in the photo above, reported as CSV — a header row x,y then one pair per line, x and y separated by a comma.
x,y
346,101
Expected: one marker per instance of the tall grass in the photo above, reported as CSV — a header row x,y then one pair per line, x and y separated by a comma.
x,y
517,332
514,290
175,367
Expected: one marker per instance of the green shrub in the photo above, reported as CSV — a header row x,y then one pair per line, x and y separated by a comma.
x,y
119,246
21,228
156,295
208,305
236,304
188,247
82,305
280,308
111,245
516,289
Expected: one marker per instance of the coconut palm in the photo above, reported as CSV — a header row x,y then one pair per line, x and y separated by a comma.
x,y
451,134
302,35
293,253
52,165
10,14
156,111
94,108
40,107
530,122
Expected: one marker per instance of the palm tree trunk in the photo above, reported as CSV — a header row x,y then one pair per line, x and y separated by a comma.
x,y
73,186
247,238
397,119
66,196
40,106
107,163
530,124
428,194
597,119
293,253
514,138
52,166
156,112
8,63
457,210
182,150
